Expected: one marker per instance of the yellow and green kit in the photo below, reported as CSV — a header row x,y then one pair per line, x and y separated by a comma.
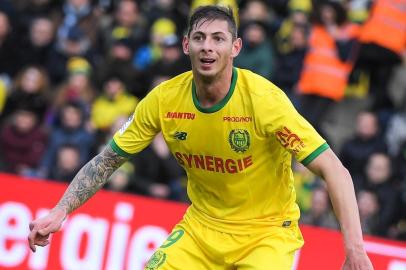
x,y
237,156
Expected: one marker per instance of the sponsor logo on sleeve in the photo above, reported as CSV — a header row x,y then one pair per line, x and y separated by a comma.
x,y
126,125
289,140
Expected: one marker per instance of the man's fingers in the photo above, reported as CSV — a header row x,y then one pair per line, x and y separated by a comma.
x,y
41,229
44,232
50,228
42,237
42,243
35,238
31,239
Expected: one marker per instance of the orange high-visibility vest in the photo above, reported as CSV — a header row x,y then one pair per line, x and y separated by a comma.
x,y
324,73
387,25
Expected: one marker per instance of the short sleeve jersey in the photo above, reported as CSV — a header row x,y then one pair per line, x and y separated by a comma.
x,y
237,154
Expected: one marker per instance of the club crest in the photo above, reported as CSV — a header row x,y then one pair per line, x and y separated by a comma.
x,y
239,140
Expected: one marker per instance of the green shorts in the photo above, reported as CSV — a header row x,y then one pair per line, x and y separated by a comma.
x,y
192,245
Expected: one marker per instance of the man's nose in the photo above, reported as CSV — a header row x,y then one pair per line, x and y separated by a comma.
x,y
207,44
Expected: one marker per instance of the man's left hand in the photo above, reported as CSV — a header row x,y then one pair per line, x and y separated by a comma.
x,y
357,260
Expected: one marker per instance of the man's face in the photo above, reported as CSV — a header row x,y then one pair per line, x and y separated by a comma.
x,y
42,32
367,126
68,159
71,117
211,48
127,13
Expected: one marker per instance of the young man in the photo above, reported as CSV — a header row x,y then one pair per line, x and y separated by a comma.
x,y
234,132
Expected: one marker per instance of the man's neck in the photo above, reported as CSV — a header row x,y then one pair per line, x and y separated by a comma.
x,y
211,91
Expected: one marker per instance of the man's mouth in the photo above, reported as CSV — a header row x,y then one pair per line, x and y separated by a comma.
x,y
207,61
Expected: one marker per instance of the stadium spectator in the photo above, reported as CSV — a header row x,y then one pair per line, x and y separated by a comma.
x,y
380,53
320,213
37,46
257,53
356,151
119,62
291,44
369,208
30,90
76,44
379,179
67,163
77,88
70,131
256,10
127,22
327,63
150,52
77,14
22,142
114,102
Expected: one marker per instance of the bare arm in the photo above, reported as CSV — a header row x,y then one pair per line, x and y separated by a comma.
x,y
83,186
90,179
342,194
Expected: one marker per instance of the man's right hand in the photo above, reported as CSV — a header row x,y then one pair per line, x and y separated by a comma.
x,y
41,228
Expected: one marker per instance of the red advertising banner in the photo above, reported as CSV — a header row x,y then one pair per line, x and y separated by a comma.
x,y
118,231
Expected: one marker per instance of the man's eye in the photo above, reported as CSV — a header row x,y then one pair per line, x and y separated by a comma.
x,y
218,38
197,38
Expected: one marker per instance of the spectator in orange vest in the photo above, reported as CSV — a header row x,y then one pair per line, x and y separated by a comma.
x,y
383,41
327,63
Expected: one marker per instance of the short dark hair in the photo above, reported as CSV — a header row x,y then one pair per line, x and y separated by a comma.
x,y
210,13
339,9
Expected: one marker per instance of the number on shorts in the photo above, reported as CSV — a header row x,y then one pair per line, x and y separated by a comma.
x,y
173,238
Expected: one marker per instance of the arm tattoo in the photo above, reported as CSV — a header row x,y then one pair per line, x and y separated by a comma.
x,y
90,179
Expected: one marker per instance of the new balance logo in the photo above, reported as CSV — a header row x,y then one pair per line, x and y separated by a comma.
x,y
286,223
180,135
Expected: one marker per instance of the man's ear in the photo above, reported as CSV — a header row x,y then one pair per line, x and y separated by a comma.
x,y
237,45
185,45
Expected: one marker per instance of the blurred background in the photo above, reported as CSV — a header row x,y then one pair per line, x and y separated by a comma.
x,y
72,72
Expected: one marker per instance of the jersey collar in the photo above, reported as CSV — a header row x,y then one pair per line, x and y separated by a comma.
x,y
222,103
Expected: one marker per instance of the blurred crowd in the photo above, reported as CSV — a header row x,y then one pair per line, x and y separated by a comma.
x,y
72,72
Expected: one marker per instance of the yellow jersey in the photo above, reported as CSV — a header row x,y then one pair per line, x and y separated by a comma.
x,y
237,154
105,111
